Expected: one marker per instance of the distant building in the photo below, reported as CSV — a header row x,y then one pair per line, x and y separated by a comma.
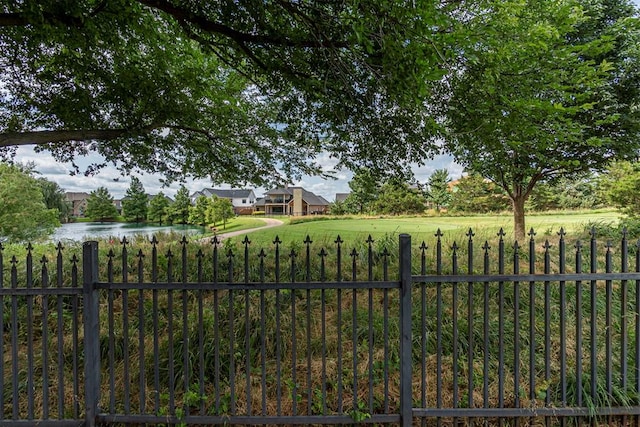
x,y
242,200
294,201
78,201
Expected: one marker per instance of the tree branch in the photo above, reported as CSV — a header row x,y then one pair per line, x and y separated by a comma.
x,y
8,139
12,20
183,15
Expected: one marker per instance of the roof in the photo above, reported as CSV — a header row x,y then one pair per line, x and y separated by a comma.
x,y
240,193
341,197
307,196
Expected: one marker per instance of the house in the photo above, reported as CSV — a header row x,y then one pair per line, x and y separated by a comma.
x,y
294,201
78,202
241,199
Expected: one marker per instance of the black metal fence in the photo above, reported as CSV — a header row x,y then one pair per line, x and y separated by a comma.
x,y
196,334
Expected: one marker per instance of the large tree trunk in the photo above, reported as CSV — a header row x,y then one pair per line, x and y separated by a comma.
x,y
518,217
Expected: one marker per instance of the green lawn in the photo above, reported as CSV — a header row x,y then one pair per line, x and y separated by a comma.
x,y
424,228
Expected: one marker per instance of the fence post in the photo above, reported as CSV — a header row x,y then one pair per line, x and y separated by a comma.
x,y
91,331
406,398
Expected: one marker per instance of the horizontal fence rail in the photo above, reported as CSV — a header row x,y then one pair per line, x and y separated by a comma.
x,y
376,332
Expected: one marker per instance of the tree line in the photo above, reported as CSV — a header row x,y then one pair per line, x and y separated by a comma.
x,y
138,207
34,206
472,194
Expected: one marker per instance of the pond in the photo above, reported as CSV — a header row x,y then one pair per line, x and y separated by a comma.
x,y
82,231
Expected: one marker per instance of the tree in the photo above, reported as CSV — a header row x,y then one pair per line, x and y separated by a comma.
x,y
337,208
179,211
54,198
364,191
534,98
575,193
158,209
197,87
473,193
100,205
220,209
23,213
198,212
135,202
437,191
397,198
621,184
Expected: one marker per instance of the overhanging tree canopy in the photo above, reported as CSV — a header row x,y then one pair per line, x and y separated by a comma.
x,y
236,90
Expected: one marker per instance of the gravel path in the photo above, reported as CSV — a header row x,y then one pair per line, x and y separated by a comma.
x,y
269,223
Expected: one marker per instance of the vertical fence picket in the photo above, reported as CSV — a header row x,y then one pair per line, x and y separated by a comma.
x,y
201,367
44,279
456,333
532,318
470,321
247,328
186,365
263,338
172,389
485,342
624,303
307,243
2,326
112,337
156,327
354,330
593,262
406,373
142,381
516,326
125,326
75,328
608,321
91,322
338,243
60,331
232,353
385,327
14,340
323,332
579,321
439,320
637,329
30,367
423,330
563,321
277,243
501,326
546,389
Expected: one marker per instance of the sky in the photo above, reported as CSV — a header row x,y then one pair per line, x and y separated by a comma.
x,y
117,184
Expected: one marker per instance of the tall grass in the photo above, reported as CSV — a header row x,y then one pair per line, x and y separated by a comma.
x,y
260,346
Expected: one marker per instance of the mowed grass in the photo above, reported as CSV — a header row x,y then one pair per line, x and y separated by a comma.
x,y
324,230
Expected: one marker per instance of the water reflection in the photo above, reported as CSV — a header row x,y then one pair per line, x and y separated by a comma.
x,y
82,231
